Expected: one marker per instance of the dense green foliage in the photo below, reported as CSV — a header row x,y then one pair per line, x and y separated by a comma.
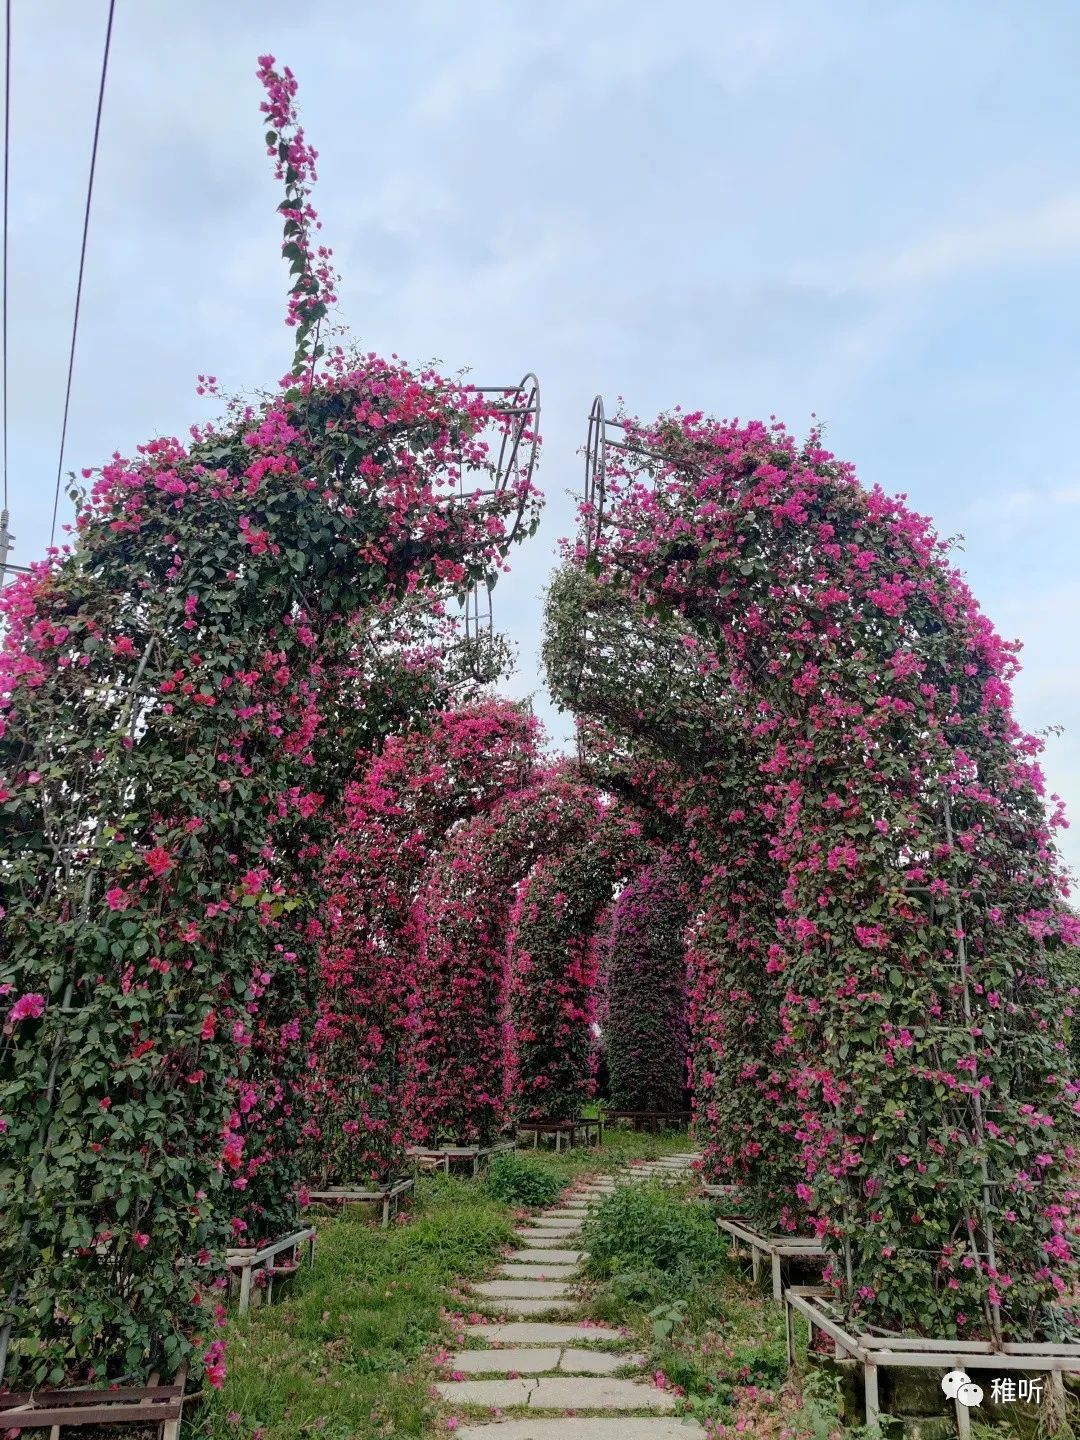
x,y
646,1226
521,1181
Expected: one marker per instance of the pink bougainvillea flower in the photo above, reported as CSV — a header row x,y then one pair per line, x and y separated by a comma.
x,y
158,861
28,1007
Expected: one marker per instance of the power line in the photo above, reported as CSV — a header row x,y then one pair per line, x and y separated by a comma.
x,y
82,266
7,154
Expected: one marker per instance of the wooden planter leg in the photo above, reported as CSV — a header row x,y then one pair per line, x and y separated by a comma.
x,y
790,1313
755,1264
873,1409
245,1289
386,1212
777,1280
963,1421
170,1429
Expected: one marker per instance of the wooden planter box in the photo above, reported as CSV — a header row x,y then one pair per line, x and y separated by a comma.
x,y
818,1306
651,1120
53,1410
570,1131
780,1249
275,1261
388,1196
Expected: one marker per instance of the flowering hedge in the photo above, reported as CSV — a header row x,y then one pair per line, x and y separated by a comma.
x,y
370,1001
645,1027
462,1059
911,985
179,697
554,967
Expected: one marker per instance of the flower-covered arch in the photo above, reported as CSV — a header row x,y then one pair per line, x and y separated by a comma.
x,y
462,1059
555,936
181,694
644,980
901,923
370,1000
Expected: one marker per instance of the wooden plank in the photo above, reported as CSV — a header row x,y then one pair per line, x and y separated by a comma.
x,y
938,1360
91,1396
43,1417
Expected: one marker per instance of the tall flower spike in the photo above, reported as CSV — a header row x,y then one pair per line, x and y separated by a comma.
x,y
314,277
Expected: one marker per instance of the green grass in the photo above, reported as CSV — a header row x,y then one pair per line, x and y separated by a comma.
x,y
345,1354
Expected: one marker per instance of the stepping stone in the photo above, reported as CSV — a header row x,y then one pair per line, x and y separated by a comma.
x,y
523,1290
586,1427
502,1362
595,1362
526,1309
559,1236
550,1216
536,1272
493,1393
557,1392
571,1224
542,1240
551,1255
553,1392
514,1360
541,1334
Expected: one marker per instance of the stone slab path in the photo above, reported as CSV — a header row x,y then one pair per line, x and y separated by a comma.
x,y
584,1427
572,1390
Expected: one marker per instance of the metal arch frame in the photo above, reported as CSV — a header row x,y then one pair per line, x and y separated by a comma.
x,y
595,473
520,403
604,435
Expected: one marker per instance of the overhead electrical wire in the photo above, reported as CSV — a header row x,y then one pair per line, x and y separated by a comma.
x,y
82,267
7,155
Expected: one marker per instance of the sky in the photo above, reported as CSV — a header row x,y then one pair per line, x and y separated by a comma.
x,y
859,209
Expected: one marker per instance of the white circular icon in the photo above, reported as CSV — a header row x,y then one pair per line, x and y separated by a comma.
x,y
952,1382
969,1393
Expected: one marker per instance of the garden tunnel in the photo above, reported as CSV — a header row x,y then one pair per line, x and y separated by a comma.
x,y
464,1061
371,998
643,988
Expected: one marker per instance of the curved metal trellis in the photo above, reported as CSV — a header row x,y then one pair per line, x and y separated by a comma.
x,y
518,417
595,474
603,436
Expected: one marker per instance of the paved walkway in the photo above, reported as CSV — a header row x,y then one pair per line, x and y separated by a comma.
x,y
544,1352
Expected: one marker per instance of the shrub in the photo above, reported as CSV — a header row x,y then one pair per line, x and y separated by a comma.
x,y
641,1228
520,1181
